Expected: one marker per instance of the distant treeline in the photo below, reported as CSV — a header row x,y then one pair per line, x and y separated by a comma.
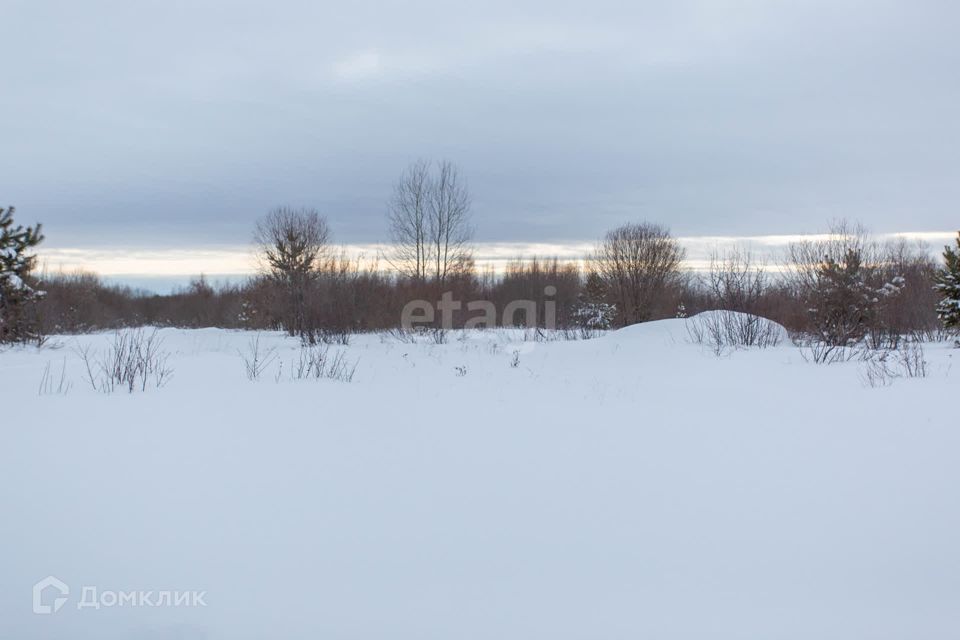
x,y
840,289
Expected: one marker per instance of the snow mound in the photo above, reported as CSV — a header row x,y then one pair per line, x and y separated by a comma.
x,y
726,329
716,329
669,328
737,316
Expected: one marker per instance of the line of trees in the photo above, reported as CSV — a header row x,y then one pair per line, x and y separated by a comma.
x,y
843,297
837,289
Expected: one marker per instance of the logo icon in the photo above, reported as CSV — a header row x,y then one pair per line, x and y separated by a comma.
x,y
50,582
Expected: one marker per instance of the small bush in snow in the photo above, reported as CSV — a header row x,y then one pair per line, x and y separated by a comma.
x,y
324,336
723,330
134,361
399,334
539,334
881,368
416,335
55,383
822,352
257,358
933,334
316,362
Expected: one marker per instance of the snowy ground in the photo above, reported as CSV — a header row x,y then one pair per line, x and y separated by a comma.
x,y
631,486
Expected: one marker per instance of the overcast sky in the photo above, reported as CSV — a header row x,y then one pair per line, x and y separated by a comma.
x,y
177,123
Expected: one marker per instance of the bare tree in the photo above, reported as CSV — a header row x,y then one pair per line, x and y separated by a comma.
x,y
291,243
449,227
806,257
735,281
407,215
430,228
638,263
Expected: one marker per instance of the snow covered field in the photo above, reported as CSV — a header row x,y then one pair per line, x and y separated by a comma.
x,y
630,486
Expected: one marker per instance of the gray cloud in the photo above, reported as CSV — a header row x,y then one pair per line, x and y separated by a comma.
x,y
179,123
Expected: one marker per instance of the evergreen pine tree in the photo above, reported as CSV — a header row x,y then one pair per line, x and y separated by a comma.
x,y
843,304
948,284
15,265
592,310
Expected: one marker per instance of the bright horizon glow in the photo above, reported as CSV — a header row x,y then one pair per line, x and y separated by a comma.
x,y
239,260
